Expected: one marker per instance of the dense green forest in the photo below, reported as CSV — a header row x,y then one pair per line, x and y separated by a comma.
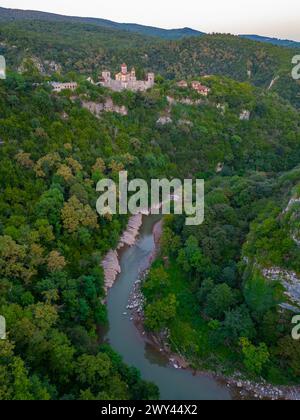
x,y
212,294
11,15
88,49
51,242
217,304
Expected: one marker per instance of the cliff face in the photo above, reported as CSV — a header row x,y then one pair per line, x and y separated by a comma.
x,y
110,263
272,260
108,106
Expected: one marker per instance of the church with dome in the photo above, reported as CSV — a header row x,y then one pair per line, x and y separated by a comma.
x,y
126,80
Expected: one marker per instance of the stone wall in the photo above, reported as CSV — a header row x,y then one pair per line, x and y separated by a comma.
x,y
118,86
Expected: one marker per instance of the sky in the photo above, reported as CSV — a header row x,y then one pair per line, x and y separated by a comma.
x,y
276,18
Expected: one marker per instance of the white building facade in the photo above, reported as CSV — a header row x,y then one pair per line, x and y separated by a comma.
x,y
126,80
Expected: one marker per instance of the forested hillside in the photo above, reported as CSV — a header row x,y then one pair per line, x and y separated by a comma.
x,y
224,294
218,288
12,15
88,49
53,152
274,41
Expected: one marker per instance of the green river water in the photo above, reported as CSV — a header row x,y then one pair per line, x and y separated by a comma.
x,y
174,384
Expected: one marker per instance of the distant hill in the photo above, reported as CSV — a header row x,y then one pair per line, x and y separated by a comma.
x,y
10,15
161,33
275,41
87,46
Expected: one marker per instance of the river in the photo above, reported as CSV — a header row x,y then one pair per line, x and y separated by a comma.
x,y
174,384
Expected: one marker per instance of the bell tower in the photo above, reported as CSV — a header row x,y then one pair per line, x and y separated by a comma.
x,y
133,75
124,69
106,76
151,79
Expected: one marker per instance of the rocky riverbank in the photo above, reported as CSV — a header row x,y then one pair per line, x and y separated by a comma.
x,y
240,387
110,263
246,389
136,300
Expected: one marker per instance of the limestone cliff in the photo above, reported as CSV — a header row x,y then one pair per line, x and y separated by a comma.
x,y
110,263
272,260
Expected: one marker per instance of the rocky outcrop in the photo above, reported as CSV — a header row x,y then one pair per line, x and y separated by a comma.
x,y
291,283
166,117
245,115
164,120
285,273
108,106
110,263
129,236
184,101
219,167
46,67
291,203
293,214
184,122
221,107
111,269
52,67
35,62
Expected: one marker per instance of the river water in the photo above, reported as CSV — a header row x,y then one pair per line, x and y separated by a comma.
x,y
174,384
